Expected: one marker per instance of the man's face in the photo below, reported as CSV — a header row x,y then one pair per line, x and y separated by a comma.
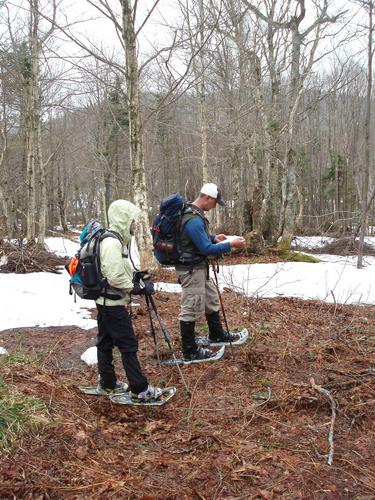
x,y
210,203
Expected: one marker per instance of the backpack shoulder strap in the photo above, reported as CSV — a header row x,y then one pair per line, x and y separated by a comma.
x,y
188,213
109,233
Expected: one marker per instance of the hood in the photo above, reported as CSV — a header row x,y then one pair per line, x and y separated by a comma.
x,y
121,214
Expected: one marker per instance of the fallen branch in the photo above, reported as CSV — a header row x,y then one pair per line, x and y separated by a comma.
x,y
21,258
333,403
362,373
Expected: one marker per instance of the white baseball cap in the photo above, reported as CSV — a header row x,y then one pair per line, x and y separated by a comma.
x,y
213,191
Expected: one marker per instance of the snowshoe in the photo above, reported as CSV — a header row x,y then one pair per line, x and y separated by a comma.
x,y
98,390
128,399
238,338
202,356
150,394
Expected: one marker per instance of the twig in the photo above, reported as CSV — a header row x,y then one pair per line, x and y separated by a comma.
x,y
191,407
362,373
333,403
188,450
335,302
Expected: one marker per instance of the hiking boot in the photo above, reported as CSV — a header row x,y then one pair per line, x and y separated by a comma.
x,y
200,356
215,328
120,388
150,394
226,338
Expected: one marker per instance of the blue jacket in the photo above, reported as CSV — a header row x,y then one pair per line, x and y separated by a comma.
x,y
195,230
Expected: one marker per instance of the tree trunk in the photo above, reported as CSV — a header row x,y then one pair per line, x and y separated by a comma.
x,y
61,200
271,129
236,167
30,162
265,175
135,125
202,96
32,126
366,163
4,188
289,180
43,188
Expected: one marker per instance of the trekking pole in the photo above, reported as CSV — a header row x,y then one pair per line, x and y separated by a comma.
x,y
168,341
215,268
154,336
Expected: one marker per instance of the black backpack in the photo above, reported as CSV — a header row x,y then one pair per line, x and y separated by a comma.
x,y
84,268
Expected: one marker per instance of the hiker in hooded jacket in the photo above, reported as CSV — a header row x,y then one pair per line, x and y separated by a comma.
x,y
115,327
199,294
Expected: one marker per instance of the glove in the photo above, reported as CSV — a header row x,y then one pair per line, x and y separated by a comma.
x,y
140,275
144,287
143,284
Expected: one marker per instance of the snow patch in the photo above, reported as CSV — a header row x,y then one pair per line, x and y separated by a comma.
x,y
168,287
311,242
61,246
90,356
42,299
335,280
370,240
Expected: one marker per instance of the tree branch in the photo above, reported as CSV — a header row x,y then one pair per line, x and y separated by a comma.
x,y
333,404
146,18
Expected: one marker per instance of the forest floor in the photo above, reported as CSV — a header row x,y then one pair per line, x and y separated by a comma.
x,y
254,427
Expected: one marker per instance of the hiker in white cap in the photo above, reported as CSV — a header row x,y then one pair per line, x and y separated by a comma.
x,y
199,294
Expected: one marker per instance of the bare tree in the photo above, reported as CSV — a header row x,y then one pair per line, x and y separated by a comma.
x,y
197,14
369,6
34,156
300,65
135,121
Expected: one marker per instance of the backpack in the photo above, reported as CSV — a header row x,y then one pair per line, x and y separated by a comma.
x,y
166,229
166,232
84,268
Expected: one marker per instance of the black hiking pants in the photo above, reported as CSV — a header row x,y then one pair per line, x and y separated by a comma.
x,y
115,329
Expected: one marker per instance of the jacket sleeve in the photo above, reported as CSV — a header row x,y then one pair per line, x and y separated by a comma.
x,y
195,230
115,268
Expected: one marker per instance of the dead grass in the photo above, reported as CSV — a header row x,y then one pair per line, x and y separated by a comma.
x,y
254,427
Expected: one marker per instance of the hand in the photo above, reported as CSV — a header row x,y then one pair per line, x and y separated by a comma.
x,y
140,275
220,237
238,242
143,284
144,287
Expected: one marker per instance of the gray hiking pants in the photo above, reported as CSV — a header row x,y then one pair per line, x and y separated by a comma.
x,y
199,295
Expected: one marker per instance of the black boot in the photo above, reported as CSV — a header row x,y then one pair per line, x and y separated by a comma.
x,y
192,353
189,346
217,335
215,328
